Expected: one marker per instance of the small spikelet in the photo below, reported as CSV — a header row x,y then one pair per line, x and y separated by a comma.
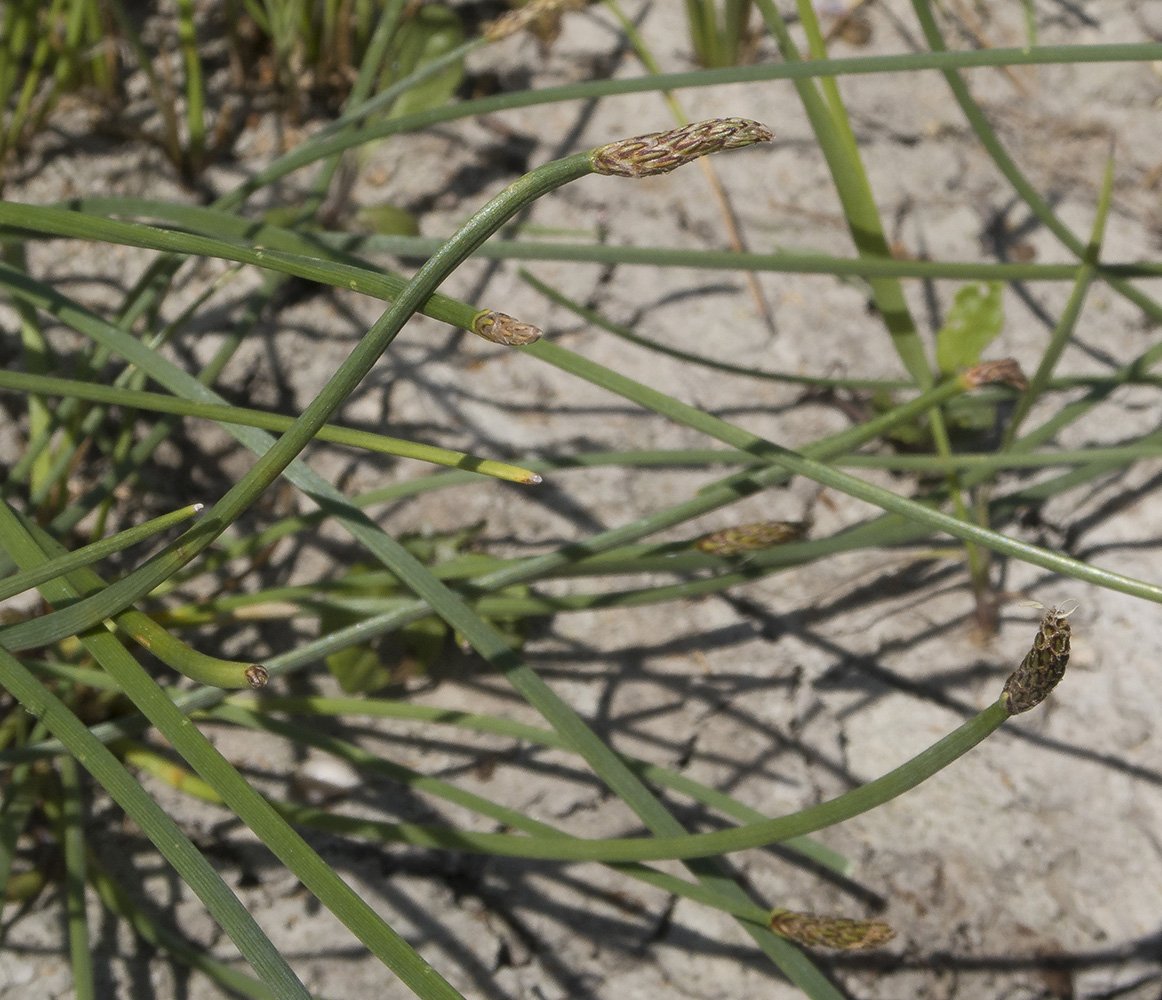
x,y
503,329
540,16
813,930
256,675
751,537
661,152
1003,370
1042,668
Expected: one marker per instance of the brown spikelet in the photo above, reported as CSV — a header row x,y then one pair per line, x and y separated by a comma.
x,y
503,329
751,537
1004,370
660,152
840,933
1042,667
256,675
542,16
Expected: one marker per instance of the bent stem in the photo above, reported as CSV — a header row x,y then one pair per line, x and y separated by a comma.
x,y
634,157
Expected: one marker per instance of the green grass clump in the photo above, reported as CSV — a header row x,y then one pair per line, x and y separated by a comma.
x,y
109,650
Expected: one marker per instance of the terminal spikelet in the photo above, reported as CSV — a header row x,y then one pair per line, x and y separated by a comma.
x,y
661,152
814,930
1042,667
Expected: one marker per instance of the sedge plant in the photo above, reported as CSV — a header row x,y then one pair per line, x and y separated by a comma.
x,y
112,650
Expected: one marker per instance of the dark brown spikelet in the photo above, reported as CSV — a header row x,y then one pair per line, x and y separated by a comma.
x,y
256,675
813,930
661,152
1042,668
503,329
751,537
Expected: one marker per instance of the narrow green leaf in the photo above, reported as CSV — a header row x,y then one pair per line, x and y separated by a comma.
x,y
174,846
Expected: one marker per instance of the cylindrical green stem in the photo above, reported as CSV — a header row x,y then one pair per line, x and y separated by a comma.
x,y
658,848
27,579
161,403
656,153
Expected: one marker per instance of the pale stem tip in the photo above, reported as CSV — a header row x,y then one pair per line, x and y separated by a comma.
x,y
502,329
199,507
661,152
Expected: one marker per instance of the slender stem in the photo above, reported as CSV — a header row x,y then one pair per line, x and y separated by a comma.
x,y
90,610
161,403
1063,330
166,835
92,553
763,833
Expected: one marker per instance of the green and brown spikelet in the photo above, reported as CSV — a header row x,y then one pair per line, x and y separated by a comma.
x,y
661,152
1003,370
1042,668
744,538
813,930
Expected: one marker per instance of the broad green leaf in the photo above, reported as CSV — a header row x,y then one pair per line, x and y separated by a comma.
x,y
432,32
973,322
386,220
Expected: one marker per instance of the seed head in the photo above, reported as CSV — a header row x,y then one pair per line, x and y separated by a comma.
x,y
1042,667
502,329
816,931
661,152
751,537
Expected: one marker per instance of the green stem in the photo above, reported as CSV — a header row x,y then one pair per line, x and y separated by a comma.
x,y
161,403
272,462
832,129
661,847
78,225
1063,330
313,150
1005,163
166,835
390,709
27,542
121,904
88,554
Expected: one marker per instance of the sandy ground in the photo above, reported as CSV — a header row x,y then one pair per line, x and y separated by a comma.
x,y
1031,868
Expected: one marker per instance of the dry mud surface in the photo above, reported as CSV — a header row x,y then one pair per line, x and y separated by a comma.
x,y
1030,868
